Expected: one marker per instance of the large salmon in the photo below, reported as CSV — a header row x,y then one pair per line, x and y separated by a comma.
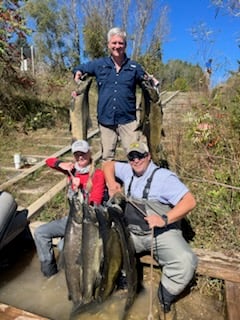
x,y
99,275
128,256
151,120
82,253
71,249
79,111
91,254
112,253
119,253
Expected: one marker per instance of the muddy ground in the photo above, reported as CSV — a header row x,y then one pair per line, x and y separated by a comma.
x,y
23,286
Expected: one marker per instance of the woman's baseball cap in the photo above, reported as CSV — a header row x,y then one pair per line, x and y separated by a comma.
x,y
80,146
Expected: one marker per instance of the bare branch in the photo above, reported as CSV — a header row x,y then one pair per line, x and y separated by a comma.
x,y
231,6
143,15
213,182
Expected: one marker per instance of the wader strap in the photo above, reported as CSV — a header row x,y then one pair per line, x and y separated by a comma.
x,y
147,186
129,187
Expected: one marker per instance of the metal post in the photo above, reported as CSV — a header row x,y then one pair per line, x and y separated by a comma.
x,y
32,59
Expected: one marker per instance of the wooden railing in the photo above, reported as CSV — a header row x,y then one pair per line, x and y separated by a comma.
x,y
227,268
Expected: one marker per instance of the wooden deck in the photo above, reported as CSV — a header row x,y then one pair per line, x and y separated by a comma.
x,y
11,313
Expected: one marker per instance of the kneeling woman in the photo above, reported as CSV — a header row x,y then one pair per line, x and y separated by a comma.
x,y
81,174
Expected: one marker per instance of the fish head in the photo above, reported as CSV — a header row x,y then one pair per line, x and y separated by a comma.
x,y
76,207
152,91
118,200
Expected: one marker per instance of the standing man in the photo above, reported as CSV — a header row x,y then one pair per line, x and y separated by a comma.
x,y
159,188
117,77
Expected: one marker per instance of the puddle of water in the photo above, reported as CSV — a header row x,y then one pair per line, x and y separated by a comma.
x,y
23,286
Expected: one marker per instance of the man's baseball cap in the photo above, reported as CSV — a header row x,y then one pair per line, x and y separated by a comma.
x,y
138,147
80,146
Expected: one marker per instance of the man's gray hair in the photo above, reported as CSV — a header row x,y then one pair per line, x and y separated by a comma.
x,y
117,32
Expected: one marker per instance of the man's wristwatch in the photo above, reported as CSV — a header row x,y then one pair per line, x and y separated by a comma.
x,y
165,219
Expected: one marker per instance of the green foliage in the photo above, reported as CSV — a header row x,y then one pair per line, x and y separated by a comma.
x,y
152,64
31,112
95,40
235,112
30,104
228,98
210,287
179,75
180,84
211,157
175,75
40,120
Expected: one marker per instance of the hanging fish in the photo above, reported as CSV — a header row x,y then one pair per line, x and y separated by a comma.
x,y
79,110
151,121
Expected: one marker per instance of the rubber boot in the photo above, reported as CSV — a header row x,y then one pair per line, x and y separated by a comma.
x,y
166,308
167,314
49,268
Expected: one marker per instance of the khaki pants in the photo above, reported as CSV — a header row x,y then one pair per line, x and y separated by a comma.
x,y
110,135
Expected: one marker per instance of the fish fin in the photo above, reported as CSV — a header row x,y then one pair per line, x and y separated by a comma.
x,y
139,127
82,308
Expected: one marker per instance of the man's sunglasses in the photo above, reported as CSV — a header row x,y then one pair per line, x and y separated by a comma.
x,y
136,155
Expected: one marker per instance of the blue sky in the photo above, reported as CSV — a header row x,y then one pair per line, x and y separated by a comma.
x,y
221,44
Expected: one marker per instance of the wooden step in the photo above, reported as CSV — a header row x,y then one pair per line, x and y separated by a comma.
x,y
11,313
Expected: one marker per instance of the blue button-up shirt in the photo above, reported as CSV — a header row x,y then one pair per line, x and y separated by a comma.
x,y
116,90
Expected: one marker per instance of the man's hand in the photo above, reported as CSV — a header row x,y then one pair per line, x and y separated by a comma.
x,y
154,220
77,76
74,94
114,188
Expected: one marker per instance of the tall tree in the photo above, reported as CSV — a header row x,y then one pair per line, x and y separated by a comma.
x,y
124,13
204,38
142,17
53,35
74,26
98,18
94,32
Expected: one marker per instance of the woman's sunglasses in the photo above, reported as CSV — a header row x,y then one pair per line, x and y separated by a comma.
x,y
136,155
79,154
